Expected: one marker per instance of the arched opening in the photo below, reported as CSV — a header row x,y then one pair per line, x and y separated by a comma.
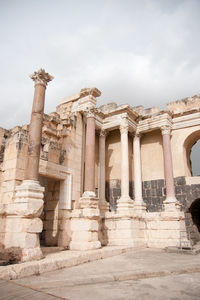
x,y
192,152
195,213
194,159
192,220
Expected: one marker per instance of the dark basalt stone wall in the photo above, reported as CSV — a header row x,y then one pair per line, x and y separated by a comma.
x,y
154,193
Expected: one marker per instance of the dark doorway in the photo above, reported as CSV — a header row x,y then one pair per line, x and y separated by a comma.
x,y
195,212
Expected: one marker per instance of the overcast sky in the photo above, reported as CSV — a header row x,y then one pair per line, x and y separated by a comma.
x,y
140,52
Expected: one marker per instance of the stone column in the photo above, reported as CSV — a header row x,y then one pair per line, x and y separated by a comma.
x,y
103,204
85,218
102,179
137,173
125,200
168,166
41,78
23,214
89,187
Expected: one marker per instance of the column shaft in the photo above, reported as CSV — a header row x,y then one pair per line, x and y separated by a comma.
x,y
102,142
35,130
137,170
90,155
124,162
168,166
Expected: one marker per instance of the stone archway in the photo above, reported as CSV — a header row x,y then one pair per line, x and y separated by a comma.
x,y
193,221
195,213
189,142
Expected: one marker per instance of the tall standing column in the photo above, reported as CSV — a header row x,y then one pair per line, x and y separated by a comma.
x,y
168,166
28,202
102,163
137,170
125,200
41,78
89,187
124,162
85,218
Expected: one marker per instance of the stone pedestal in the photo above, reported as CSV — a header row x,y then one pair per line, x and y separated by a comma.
x,y
84,225
23,224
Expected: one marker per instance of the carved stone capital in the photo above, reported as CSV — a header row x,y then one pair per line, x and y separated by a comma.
x,y
166,130
137,134
103,133
41,77
90,91
124,128
90,113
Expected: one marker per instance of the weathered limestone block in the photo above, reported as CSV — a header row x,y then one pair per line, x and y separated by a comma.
x,y
28,200
18,224
21,239
84,225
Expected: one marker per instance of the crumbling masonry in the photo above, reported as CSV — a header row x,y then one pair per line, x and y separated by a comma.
x,y
85,176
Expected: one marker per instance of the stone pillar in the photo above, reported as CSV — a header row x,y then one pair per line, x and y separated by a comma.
x,y
89,187
41,78
103,204
168,166
102,164
125,200
139,203
85,218
28,201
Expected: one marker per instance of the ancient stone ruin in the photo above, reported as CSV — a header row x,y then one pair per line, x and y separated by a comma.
x,y
88,176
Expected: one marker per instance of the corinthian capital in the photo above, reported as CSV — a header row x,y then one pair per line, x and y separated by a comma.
x,y
124,128
90,113
166,129
41,77
103,133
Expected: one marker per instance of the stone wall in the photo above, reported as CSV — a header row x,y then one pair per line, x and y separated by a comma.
x,y
154,193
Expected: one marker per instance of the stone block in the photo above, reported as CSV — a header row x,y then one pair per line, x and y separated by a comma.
x,y
21,239
88,236
123,224
64,238
76,245
32,208
84,224
34,225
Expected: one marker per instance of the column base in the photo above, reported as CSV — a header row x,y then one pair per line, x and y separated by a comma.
x,y
171,204
139,208
103,206
84,225
125,206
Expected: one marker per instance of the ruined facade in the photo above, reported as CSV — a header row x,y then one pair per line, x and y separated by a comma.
x,y
103,175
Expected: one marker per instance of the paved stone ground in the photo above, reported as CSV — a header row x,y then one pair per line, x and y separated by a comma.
x,y
139,274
